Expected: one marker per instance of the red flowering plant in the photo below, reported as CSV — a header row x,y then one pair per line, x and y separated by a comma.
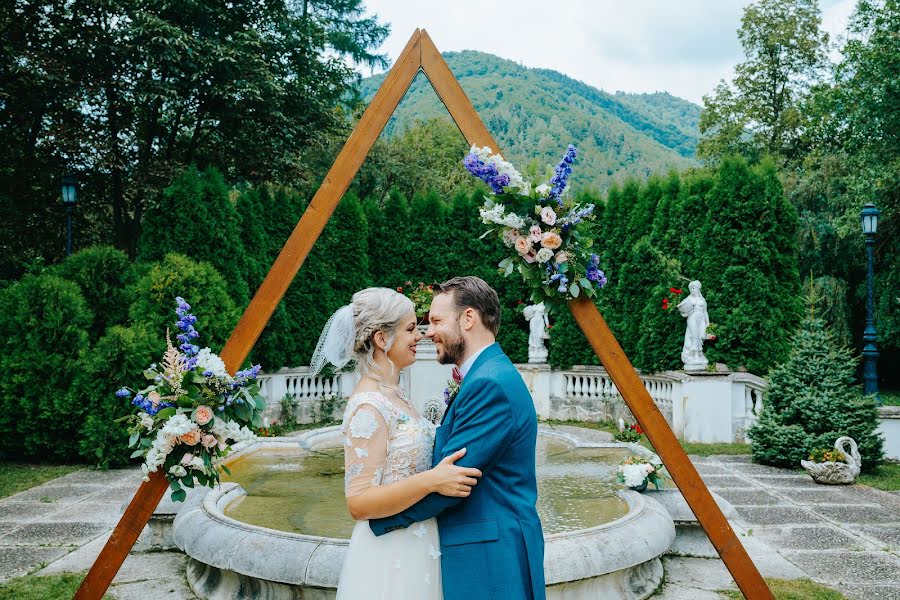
x,y
421,295
631,434
671,298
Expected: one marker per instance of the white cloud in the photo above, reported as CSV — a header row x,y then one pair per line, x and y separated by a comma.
x,y
682,47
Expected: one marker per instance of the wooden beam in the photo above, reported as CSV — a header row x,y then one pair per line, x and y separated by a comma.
x,y
123,537
447,87
420,52
323,204
266,299
669,450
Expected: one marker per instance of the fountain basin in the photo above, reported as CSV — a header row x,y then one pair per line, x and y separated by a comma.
x,y
231,558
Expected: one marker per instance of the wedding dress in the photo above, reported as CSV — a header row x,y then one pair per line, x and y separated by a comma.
x,y
384,443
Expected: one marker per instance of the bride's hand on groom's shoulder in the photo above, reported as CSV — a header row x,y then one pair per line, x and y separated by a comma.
x,y
448,479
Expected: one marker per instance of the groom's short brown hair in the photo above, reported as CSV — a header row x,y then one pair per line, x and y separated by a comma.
x,y
474,292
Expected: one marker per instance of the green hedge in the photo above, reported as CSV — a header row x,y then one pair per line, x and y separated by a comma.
x,y
44,323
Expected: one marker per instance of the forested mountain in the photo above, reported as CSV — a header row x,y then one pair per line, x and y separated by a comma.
x,y
535,113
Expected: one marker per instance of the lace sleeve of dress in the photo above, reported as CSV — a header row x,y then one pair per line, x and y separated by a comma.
x,y
365,449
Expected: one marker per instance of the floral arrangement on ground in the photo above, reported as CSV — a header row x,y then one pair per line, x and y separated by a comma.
x,y
635,471
544,230
192,411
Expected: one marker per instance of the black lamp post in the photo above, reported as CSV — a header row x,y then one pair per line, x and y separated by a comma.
x,y
870,352
69,188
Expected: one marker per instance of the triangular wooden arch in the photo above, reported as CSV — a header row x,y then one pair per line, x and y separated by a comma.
x,y
420,53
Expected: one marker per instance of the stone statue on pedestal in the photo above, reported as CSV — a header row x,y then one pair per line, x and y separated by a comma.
x,y
694,309
536,315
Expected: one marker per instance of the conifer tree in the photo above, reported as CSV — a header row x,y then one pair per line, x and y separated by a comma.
x,y
811,401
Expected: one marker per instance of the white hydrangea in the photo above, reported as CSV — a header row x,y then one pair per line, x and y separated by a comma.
x,y
230,430
177,470
146,420
166,439
542,189
633,474
497,214
208,361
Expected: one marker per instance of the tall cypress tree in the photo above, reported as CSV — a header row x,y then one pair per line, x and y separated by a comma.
x,y
748,266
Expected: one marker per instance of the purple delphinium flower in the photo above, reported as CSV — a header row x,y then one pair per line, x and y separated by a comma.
x,y
561,175
486,172
123,393
185,324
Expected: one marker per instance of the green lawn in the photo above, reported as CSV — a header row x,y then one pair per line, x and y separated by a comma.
x,y
793,589
889,397
18,477
689,447
32,587
886,477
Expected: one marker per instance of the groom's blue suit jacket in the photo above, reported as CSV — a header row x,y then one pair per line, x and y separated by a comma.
x,y
492,544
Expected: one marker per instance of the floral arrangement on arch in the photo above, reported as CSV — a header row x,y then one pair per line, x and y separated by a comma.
x,y
540,227
635,471
192,411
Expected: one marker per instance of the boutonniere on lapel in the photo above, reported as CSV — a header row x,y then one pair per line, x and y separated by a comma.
x,y
452,388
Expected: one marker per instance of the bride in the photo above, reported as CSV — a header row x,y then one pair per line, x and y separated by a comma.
x,y
388,451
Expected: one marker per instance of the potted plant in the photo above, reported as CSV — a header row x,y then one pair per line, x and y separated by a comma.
x,y
834,467
421,295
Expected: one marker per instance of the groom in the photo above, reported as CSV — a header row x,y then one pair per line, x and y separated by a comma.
x,y
492,545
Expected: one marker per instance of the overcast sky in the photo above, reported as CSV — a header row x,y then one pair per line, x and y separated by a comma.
x,y
683,47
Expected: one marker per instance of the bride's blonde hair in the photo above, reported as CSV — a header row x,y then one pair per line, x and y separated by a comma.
x,y
376,309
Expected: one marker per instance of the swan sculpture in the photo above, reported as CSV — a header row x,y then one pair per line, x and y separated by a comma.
x,y
836,473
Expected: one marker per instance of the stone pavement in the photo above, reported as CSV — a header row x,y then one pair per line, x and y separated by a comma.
x,y
845,537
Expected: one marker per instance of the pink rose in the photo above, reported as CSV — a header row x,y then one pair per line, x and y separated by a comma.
x,y
529,257
209,441
186,459
561,257
551,240
203,415
509,236
191,438
548,216
535,233
522,245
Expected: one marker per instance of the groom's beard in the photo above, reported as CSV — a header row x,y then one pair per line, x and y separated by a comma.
x,y
454,350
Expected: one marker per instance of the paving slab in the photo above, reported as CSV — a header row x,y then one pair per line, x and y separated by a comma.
x,y
18,560
19,512
754,497
777,515
872,592
755,469
106,513
810,538
810,496
784,481
840,567
62,494
858,514
98,477
728,482
886,536
733,458
53,534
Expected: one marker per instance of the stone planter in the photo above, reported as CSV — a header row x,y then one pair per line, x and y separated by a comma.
x,y
836,473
